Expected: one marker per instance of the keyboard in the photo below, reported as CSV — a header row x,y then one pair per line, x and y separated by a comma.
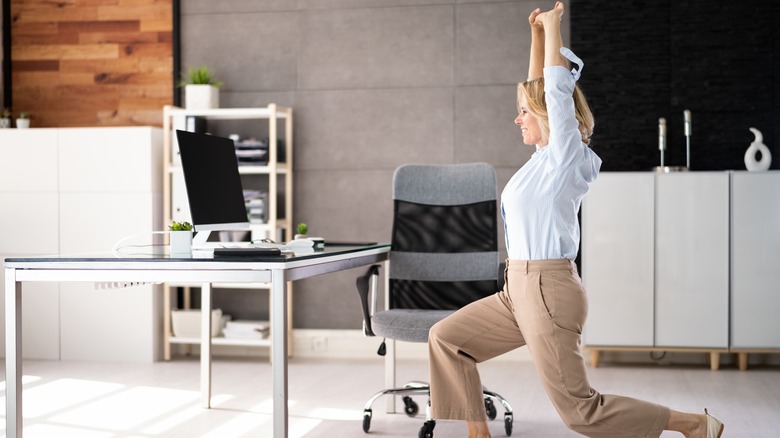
x,y
246,252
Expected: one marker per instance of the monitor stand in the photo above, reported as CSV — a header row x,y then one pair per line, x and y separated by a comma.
x,y
199,240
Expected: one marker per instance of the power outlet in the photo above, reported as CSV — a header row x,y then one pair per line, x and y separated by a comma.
x,y
319,344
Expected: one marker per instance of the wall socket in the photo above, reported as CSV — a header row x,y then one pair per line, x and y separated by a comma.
x,y
319,344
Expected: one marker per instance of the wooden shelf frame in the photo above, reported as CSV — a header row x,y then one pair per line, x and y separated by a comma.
x,y
275,226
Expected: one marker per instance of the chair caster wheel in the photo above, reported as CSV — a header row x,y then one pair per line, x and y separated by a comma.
x,y
490,409
410,407
427,430
366,420
508,420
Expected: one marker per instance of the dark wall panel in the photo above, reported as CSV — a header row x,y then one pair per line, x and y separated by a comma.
x,y
651,59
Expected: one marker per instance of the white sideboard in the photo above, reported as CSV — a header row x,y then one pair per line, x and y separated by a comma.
x,y
682,262
73,190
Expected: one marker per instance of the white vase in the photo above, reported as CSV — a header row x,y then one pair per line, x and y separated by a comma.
x,y
201,96
22,123
758,145
181,243
5,123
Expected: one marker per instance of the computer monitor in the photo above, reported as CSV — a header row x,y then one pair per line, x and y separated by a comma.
x,y
213,184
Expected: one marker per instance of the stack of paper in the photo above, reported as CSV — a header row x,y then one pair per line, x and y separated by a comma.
x,y
252,152
245,329
255,201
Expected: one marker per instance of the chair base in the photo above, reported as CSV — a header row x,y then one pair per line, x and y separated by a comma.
x,y
422,388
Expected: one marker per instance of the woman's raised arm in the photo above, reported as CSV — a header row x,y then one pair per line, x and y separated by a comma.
x,y
536,63
551,21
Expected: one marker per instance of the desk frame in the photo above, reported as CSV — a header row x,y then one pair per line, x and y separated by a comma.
x,y
278,273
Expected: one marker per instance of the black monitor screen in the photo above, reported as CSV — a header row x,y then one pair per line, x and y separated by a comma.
x,y
213,184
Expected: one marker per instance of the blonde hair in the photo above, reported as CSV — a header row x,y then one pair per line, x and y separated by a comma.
x,y
534,95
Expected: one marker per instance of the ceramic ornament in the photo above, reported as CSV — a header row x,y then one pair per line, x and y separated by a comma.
x,y
750,155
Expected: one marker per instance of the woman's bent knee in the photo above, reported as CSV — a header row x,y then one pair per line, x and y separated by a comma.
x,y
437,332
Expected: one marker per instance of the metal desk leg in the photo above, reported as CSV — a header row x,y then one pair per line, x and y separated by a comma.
x,y
279,352
13,355
205,345
390,400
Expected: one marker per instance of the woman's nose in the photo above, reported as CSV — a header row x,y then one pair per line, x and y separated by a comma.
x,y
517,120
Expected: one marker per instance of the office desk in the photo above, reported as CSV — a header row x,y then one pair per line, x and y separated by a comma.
x,y
161,268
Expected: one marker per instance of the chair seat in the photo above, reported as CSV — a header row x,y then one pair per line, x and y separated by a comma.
x,y
409,325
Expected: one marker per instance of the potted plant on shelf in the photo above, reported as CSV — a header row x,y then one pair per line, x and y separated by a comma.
x,y
23,121
181,238
201,89
302,230
5,118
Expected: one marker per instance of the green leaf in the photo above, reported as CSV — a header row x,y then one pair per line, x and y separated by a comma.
x,y
199,76
180,226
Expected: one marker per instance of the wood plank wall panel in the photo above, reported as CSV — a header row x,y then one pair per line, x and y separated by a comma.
x,y
92,62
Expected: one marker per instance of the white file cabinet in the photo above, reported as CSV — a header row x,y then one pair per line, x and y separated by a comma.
x,y
75,190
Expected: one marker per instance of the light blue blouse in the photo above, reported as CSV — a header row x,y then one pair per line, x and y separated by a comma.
x,y
539,205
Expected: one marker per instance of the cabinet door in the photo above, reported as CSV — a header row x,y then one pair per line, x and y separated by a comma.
x,y
123,159
28,160
755,228
97,221
692,260
28,192
617,260
180,204
109,325
28,224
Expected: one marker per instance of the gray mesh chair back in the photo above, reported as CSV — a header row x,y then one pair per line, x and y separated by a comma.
x,y
444,255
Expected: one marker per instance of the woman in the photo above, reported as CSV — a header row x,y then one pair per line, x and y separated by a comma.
x,y
543,304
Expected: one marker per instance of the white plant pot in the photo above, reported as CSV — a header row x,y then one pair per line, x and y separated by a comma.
x,y
181,243
22,123
201,97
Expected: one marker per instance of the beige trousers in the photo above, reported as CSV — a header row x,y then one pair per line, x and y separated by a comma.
x,y
543,305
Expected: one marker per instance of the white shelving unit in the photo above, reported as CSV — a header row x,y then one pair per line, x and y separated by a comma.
x,y
278,223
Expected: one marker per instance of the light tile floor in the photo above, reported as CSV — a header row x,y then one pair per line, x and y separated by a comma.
x,y
101,400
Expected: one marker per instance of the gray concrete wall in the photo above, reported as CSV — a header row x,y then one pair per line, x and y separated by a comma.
x,y
374,84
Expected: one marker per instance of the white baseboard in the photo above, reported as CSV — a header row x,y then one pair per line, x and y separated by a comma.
x,y
351,344
344,344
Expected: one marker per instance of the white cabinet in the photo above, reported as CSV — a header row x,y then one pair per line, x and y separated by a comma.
x,y
617,259
71,190
274,178
755,246
655,262
692,260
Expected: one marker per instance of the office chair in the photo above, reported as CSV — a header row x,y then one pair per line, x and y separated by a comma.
x,y
444,255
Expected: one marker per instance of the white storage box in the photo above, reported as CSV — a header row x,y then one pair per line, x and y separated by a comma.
x,y
186,323
246,329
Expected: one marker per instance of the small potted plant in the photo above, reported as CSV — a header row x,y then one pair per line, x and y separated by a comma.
x,y
181,238
201,89
302,230
23,121
5,118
